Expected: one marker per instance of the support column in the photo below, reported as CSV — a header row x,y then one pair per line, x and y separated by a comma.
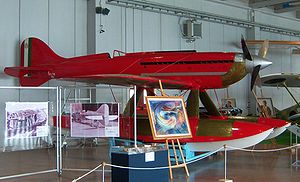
x,y
91,26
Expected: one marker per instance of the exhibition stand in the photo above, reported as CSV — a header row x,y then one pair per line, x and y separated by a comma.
x,y
32,132
141,157
67,101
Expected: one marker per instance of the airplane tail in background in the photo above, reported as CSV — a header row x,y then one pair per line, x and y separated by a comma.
x,y
35,52
35,63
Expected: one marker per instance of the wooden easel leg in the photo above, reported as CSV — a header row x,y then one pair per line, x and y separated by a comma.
x,y
183,160
169,160
175,153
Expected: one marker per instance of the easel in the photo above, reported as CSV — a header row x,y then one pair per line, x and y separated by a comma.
x,y
177,165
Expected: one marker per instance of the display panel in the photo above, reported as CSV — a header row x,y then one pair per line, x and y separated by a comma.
x,y
168,118
228,103
94,119
265,107
26,119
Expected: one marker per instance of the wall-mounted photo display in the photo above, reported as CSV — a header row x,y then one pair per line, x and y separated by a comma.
x,y
26,119
94,119
265,107
168,118
228,103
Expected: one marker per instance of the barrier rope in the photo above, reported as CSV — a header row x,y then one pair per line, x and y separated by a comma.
x,y
206,155
140,168
269,150
103,164
79,178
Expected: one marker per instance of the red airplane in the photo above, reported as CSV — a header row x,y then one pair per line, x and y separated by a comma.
x,y
191,70
176,69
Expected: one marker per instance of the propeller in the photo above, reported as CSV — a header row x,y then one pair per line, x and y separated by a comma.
x,y
257,63
255,76
246,53
264,49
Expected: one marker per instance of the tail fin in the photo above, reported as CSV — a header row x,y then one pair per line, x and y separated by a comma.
x,y
36,58
35,52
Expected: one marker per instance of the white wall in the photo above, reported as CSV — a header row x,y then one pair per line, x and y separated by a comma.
x,y
60,23
63,25
148,31
132,30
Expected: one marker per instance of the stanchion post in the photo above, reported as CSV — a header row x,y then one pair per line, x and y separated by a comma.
x,y
225,163
134,118
57,132
225,166
291,149
296,152
103,166
60,143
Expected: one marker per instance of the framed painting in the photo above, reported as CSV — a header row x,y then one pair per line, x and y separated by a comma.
x,y
168,117
265,107
228,103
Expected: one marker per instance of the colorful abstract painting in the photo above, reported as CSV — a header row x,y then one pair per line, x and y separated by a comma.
x,y
168,118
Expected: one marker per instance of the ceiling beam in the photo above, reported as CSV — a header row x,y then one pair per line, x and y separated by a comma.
x,y
281,9
264,3
275,42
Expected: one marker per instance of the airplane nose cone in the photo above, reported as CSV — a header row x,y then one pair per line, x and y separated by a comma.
x,y
262,62
250,65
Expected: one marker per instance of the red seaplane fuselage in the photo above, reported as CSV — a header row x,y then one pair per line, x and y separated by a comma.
x,y
210,132
176,69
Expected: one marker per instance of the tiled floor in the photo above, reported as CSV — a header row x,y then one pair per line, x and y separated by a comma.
x,y
242,166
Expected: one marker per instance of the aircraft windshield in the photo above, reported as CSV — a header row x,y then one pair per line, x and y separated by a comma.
x,y
118,53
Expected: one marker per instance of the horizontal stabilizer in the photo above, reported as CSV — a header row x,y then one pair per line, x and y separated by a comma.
x,y
29,76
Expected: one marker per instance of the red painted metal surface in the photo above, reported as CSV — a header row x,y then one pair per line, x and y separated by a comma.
x,y
275,123
241,129
178,68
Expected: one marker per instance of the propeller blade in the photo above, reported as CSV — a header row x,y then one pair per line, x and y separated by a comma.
x,y
264,49
258,81
254,75
246,53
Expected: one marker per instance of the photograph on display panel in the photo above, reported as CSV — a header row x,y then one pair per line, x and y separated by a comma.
x,y
265,107
228,103
26,119
168,118
94,119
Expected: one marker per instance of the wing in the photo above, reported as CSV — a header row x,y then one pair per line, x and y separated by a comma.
x,y
130,80
277,80
294,117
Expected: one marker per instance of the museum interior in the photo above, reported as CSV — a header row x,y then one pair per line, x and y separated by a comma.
x,y
150,90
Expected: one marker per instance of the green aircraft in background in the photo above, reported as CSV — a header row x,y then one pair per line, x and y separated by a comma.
x,y
285,80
